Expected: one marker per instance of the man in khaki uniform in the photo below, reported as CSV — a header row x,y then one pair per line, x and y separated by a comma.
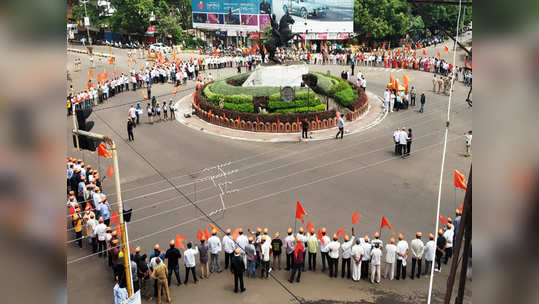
x,y
160,273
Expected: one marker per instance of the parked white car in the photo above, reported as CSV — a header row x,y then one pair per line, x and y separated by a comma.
x,y
159,47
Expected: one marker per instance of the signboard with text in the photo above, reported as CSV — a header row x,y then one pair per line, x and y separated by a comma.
x,y
239,15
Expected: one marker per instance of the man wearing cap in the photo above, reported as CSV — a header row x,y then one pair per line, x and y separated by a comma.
x,y
448,234
215,248
276,248
417,247
430,250
357,256
312,246
242,241
333,252
238,267
367,247
101,231
250,252
265,258
391,252
190,262
78,229
456,224
289,246
377,240
324,248
160,274
402,255
347,255
376,258
440,249
203,249
172,256
104,210
91,232
229,246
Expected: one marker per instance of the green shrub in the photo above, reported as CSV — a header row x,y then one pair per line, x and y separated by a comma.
x,y
324,82
238,99
221,87
275,97
345,97
276,105
243,107
339,86
305,95
317,108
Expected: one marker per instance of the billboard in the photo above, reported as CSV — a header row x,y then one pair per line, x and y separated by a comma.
x,y
318,16
235,15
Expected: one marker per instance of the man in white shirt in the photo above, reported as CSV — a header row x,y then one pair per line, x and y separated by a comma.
x,y
229,246
468,137
391,101
391,251
357,256
448,234
403,139
417,247
214,244
242,241
190,262
100,231
324,248
265,258
333,252
402,255
396,138
367,246
92,224
132,112
376,258
430,250
347,255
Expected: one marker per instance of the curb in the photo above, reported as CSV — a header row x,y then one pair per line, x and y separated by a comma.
x,y
180,118
86,52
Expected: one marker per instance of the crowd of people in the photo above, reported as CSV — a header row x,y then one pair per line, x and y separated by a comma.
x,y
255,252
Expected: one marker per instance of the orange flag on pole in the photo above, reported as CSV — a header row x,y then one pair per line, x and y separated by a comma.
x,y
321,237
213,227
309,226
460,180
236,233
385,223
71,210
106,74
300,212
91,73
200,235
110,171
418,46
446,49
409,48
341,231
111,60
102,151
179,241
299,247
438,54
443,220
391,79
115,218
206,233
355,217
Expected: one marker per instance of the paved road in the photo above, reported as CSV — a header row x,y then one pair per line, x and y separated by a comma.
x,y
332,179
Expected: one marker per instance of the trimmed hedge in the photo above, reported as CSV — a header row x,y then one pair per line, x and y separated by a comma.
x,y
299,95
236,99
300,103
245,108
315,109
324,82
271,118
345,97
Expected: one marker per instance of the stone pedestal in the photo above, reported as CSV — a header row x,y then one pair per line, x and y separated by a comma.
x,y
277,76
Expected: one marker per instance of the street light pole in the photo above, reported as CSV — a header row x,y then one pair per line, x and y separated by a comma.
x,y
87,26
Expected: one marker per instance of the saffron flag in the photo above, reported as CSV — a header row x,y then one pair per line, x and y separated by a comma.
x,y
264,48
341,231
396,84
199,234
309,226
299,248
115,218
355,217
105,74
71,210
102,151
213,227
383,45
236,233
179,241
110,171
175,91
405,79
446,49
320,237
424,53
460,180
438,54
470,63
385,223
206,233
300,212
461,207
409,48
418,46
111,60
115,72
391,79
443,220
91,73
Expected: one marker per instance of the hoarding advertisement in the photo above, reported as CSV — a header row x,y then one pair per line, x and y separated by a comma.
x,y
318,16
240,15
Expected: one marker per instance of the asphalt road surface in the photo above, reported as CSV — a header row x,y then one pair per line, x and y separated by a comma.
x,y
332,179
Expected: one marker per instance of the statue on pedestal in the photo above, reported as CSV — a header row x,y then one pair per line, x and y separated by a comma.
x,y
281,34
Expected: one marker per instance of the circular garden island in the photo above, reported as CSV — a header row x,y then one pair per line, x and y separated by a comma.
x,y
226,102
